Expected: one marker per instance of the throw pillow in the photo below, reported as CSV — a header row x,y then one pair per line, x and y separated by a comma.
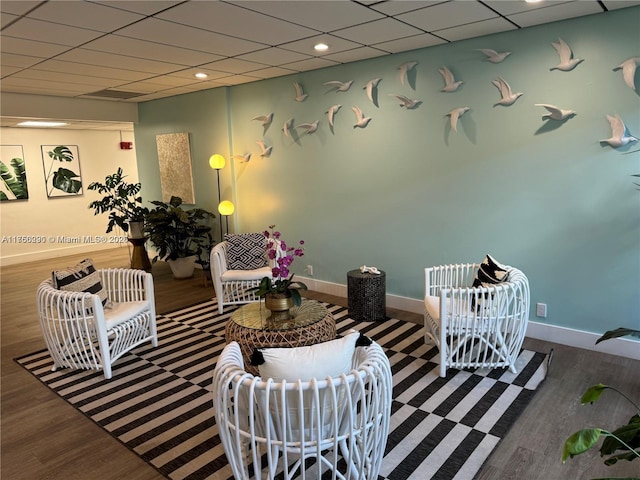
x,y
326,359
246,251
82,277
490,273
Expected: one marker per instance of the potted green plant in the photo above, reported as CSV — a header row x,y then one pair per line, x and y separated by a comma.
x,y
622,443
123,203
180,235
280,293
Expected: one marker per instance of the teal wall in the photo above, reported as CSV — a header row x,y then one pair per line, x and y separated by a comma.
x,y
407,192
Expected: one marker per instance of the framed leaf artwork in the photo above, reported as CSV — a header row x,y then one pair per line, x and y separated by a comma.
x,y
62,170
13,173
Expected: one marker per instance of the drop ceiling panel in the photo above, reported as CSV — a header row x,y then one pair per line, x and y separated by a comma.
x,y
170,33
6,19
447,15
509,7
410,43
93,70
554,13
85,15
89,57
235,21
31,47
272,72
144,7
377,31
234,65
21,61
50,32
73,88
476,29
310,64
355,54
17,7
151,50
335,44
66,78
275,56
403,6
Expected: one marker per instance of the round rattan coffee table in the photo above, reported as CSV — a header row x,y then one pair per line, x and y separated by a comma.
x,y
249,325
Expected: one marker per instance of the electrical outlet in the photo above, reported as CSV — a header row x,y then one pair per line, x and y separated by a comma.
x,y
541,310
310,270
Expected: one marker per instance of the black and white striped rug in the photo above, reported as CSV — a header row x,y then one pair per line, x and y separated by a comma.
x,y
159,401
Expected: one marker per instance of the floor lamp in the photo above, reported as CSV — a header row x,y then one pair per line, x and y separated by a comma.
x,y
226,208
217,162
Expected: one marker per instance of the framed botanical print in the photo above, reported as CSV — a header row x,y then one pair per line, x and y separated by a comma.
x,y
13,173
62,170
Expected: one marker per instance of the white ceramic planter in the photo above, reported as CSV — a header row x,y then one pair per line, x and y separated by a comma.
x,y
183,267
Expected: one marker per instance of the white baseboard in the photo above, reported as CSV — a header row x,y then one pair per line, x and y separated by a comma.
x,y
622,347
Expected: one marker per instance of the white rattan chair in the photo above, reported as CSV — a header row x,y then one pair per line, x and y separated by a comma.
x,y
475,327
80,333
231,285
338,425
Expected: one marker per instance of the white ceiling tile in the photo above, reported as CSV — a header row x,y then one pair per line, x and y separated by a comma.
x,y
66,78
396,7
234,65
272,72
335,45
92,70
509,7
324,16
17,7
85,15
75,88
151,50
50,32
144,7
6,19
310,64
445,15
273,56
164,32
356,54
189,74
377,31
615,4
90,57
476,29
410,43
31,47
7,70
14,60
236,21
554,13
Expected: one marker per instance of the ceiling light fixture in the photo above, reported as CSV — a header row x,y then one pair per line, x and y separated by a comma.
x,y
37,123
321,47
201,75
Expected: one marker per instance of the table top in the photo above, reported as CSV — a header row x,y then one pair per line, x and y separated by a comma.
x,y
254,316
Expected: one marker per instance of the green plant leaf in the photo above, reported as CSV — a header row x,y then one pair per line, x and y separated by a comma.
x,y
618,332
629,434
12,178
61,153
593,393
580,442
65,180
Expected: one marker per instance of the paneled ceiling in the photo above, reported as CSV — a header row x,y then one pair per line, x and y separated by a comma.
x,y
133,51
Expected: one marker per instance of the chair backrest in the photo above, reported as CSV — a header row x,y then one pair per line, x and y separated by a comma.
x,y
349,413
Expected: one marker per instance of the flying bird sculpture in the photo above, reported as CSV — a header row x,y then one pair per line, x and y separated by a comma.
x,y
265,119
454,115
493,56
361,120
567,60
309,127
371,88
243,158
507,96
286,128
450,83
404,70
408,103
300,95
619,134
340,86
556,113
265,150
628,68
331,113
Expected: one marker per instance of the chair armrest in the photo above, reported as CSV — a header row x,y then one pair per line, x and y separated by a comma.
x,y
127,284
218,259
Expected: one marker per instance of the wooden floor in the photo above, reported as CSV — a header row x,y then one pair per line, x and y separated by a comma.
x,y
45,438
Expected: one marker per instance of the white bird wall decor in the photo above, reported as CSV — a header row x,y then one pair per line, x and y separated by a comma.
x,y
265,151
450,83
265,119
619,134
408,103
628,68
556,113
567,60
361,120
286,128
300,95
309,127
243,158
340,86
493,56
404,70
331,113
454,115
371,88
507,96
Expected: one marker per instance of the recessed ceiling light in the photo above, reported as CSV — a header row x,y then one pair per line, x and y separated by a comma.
x,y
201,75
321,47
37,123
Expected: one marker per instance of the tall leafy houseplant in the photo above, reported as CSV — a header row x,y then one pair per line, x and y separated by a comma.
x,y
177,232
623,443
121,200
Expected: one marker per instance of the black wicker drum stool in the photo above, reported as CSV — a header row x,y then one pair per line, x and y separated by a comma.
x,y
367,295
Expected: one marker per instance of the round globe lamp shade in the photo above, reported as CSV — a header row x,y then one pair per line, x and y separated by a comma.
x,y
217,161
226,208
